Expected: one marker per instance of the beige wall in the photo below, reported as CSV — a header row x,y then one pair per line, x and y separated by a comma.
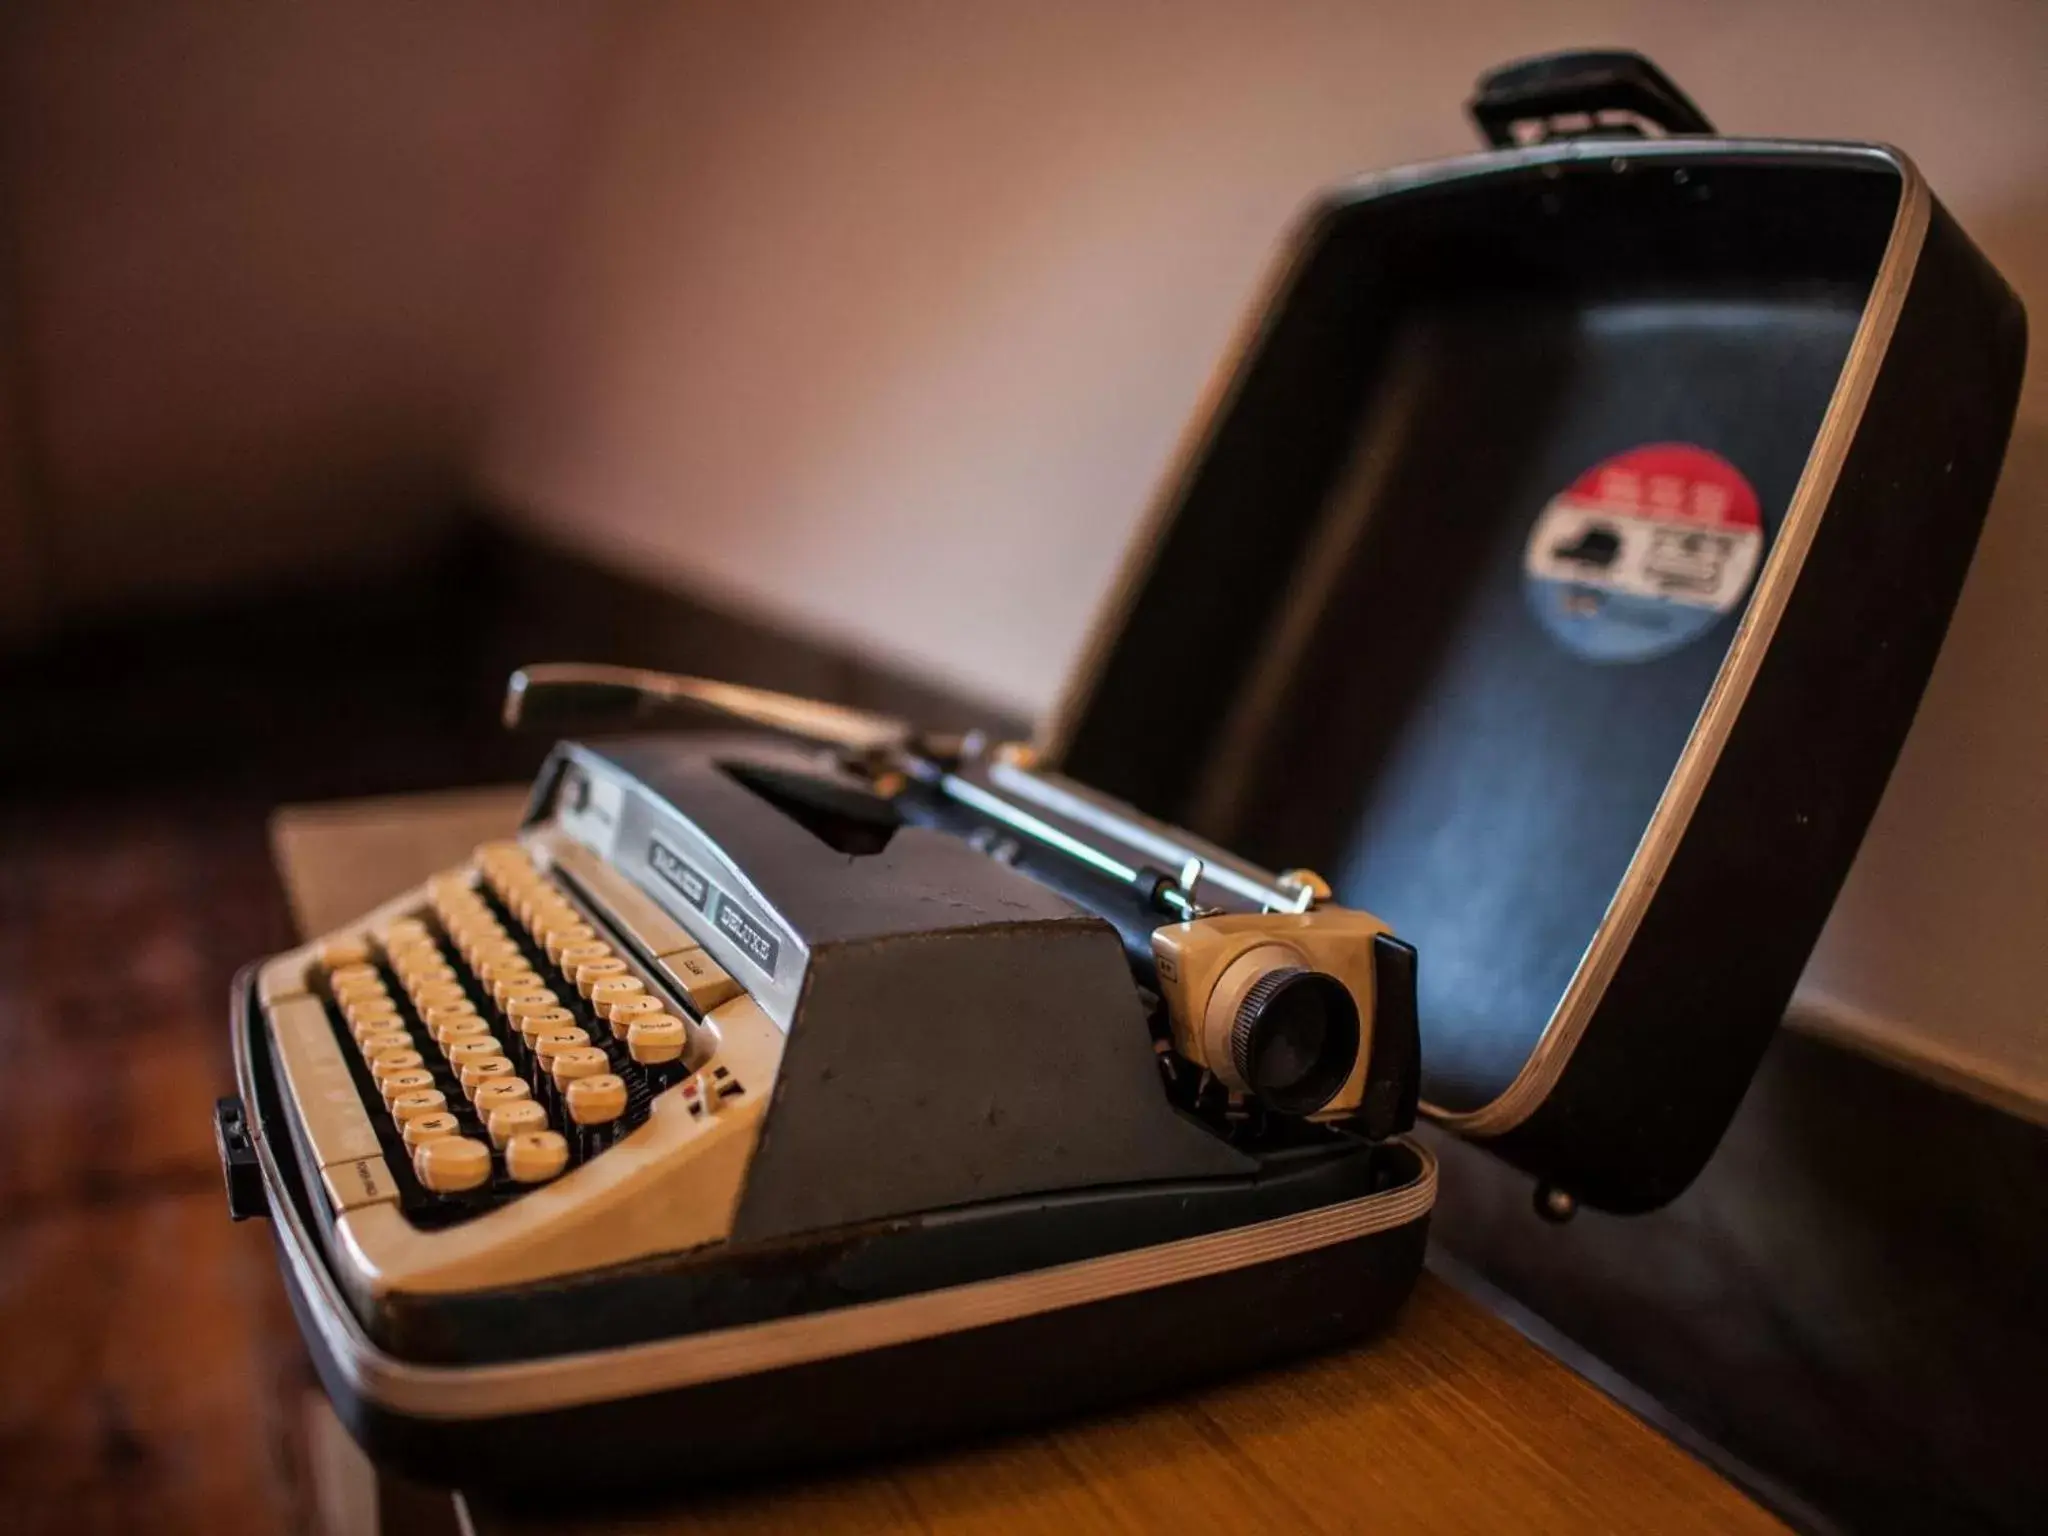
x,y
882,320
261,264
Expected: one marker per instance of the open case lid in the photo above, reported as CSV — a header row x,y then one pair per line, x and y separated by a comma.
x,y
1557,570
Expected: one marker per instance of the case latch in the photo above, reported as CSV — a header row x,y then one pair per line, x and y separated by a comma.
x,y
238,1163
1581,94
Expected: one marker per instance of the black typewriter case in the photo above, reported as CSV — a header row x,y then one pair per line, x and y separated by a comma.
x,y
1611,821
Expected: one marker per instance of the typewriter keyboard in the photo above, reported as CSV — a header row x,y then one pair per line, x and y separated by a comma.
x,y
500,1039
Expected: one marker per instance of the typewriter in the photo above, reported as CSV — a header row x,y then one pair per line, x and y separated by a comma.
x,y
807,1085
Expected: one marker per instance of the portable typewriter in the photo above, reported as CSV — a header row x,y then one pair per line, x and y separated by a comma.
x,y
766,1084
1559,567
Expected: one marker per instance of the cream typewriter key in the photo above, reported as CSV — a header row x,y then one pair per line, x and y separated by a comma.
x,y
452,1164
417,1133
378,1041
401,1058
410,960
442,1002
458,1031
546,1021
479,1070
426,972
389,1064
367,1013
596,1100
704,981
549,1044
496,1095
398,1084
573,955
560,936
622,1014
464,930
552,907
439,1007
365,1003
346,975
517,1119
510,962
336,953
459,911
418,1102
576,1062
445,1010
463,1052
519,976
521,1005
591,972
615,989
371,985
494,951
372,990
518,984
534,1157
657,1040
400,929
380,1024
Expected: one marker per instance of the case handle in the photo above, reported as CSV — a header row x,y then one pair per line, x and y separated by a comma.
x,y
1580,93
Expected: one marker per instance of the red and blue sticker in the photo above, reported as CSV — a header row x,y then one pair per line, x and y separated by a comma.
x,y
1644,553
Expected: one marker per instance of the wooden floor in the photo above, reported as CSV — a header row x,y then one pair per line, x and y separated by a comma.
x,y
120,927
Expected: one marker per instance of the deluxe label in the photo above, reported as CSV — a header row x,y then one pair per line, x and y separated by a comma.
x,y
751,935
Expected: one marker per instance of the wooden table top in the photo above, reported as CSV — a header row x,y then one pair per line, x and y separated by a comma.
x,y
1451,1422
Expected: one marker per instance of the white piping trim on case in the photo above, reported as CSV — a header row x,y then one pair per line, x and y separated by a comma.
x,y
490,1391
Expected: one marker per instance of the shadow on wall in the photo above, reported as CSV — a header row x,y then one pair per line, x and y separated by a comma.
x,y
263,272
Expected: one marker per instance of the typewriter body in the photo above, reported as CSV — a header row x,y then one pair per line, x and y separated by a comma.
x,y
781,1097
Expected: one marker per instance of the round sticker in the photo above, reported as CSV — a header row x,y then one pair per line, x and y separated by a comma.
x,y
1644,552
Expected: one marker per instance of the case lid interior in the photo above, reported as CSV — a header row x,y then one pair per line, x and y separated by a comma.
x,y
1444,583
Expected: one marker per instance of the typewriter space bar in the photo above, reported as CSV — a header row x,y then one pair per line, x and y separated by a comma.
x,y
330,1111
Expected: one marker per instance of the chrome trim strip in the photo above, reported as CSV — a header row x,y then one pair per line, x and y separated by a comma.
x,y
1567,1024
626,844
1151,839
491,1391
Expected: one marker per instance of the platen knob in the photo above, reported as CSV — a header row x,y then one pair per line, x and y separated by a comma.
x,y
1295,1038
